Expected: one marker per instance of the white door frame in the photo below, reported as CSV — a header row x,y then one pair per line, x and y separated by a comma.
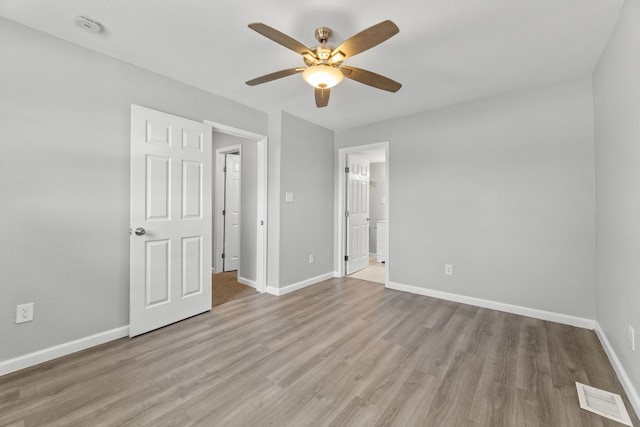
x,y
261,233
341,205
219,197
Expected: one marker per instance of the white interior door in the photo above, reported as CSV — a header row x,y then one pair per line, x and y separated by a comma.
x,y
170,250
231,251
357,213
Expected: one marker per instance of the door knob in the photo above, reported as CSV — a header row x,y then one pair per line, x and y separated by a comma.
x,y
139,231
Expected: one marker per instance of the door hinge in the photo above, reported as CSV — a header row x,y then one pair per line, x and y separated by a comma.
x,y
222,256
224,169
224,212
346,257
346,170
346,214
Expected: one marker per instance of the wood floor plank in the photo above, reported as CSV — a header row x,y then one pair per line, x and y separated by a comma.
x,y
344,352
455,394
404,409
357,412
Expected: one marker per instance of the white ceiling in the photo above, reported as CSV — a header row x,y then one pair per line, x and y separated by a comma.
x,y
447,51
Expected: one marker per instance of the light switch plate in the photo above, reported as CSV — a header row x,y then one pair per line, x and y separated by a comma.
x,y
448,269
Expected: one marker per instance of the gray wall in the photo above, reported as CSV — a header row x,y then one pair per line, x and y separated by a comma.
x,y
273,193
502,188
377,190
617,142
306,224
248,202
64,181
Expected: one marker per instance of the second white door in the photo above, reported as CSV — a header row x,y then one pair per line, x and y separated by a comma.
x,y
231,248
357,213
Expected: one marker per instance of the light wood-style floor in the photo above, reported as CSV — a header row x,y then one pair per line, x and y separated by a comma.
x,y
345,352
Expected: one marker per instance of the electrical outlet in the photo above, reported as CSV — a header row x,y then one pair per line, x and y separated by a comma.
x,y
311,259
448,269
632,338
24,313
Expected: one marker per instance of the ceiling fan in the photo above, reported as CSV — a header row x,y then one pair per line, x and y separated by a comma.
x,y
324,67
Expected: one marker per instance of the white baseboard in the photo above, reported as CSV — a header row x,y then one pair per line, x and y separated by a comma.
x,y
294,287
40,356
245,281
631,391
500,306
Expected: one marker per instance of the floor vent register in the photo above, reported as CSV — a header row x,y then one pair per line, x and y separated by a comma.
x,y
603,403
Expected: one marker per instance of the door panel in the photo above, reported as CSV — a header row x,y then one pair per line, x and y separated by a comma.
x,y
192,140
192,266
157,185
158,279
191,189
171,201
358,213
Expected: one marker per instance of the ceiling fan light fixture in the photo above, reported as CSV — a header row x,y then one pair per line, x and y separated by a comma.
x,y
322,76
337,57
324,68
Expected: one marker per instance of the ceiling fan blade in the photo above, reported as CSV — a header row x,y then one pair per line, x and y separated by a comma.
x,y
371,79
281,38
367,39
322,97
274,76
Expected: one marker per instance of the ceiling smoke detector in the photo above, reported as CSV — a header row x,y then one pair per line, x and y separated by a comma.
x,y
88,24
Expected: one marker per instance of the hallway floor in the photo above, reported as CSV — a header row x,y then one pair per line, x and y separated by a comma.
x,y
374,273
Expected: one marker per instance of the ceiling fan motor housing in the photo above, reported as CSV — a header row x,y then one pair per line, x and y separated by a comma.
x,y
322,52
323,34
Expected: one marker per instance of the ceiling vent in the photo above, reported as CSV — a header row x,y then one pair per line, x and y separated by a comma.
x,y
88,24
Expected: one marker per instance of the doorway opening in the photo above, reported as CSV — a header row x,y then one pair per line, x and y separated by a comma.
x,y
226,280
240,205
363,212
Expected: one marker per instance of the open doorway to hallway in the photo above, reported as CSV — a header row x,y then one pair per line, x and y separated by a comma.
x,y
239,258
363,209
225,283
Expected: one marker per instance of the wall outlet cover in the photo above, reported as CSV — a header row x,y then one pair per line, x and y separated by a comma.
x,y
24,313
